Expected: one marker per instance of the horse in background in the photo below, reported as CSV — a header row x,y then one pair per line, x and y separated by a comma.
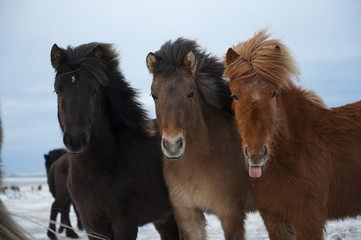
x,y
304,158
9,230
115,173
203,165
57,166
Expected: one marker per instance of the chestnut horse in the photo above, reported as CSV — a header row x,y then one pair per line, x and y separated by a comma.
x,y
57,168
115,171
202,167
304,158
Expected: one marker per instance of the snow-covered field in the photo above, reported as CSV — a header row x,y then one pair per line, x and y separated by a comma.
x,y
31,208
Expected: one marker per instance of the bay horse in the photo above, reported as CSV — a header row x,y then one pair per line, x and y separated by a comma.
x,y
115,171
57,168
304,158
202,165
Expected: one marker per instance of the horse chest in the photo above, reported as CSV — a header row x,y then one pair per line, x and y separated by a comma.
x,y
192,188
92,193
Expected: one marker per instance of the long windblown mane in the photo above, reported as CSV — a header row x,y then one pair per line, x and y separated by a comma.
x,y
125,112
266,58
208,75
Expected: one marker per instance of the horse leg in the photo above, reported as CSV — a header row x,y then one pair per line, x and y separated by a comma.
x,y
124,229
233,225
167,228
310,227
61,228
278,228
191,223
69,231
79,224
52,227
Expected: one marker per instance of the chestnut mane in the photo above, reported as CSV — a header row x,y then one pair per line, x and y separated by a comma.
x,y
266,58
270,60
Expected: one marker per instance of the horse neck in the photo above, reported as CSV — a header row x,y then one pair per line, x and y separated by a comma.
x,y
297,116
202,127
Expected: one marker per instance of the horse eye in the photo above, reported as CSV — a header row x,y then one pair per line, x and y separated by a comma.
x,y
234,96
190,95
274,94
57,93
155,97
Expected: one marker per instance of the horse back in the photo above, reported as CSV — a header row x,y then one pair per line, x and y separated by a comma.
x,y
345,194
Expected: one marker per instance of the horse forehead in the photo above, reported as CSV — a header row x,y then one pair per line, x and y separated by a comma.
x,y
173,84
255,89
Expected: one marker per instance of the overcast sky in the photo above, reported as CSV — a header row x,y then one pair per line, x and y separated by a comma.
x,y
325,37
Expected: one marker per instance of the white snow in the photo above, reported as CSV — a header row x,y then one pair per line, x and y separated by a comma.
x,y
31,208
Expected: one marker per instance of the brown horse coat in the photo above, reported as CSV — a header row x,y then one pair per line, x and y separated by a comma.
x,y
203,168
311,154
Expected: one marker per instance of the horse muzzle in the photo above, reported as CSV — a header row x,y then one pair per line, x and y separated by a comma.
x,y
76,144
256,161
173,148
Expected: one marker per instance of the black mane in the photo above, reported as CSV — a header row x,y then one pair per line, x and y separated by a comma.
x,y
125,112
208,75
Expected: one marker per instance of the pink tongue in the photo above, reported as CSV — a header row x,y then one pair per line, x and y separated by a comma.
x,y
255,172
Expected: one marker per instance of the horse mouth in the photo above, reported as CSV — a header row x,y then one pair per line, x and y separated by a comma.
x,y
76,144
172,157
76,151
255,171
173,149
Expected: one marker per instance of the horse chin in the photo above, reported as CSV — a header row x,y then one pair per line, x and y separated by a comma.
x,y
173,157
79,151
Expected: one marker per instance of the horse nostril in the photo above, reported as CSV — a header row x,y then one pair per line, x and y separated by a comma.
x,y
164,143
265,152
180,143
246,152
66,139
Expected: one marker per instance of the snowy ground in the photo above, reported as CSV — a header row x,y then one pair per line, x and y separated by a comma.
x,y
31,207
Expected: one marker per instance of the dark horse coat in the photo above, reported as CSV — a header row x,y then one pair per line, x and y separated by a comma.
x,y
57,168
115,175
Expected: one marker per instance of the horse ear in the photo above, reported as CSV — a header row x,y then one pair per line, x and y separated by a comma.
x,y
46,156
151,60
97,52
231,55
57,56
190,62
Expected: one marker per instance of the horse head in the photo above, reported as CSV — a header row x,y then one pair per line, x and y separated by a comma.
x,y
259,70
174,95
78,86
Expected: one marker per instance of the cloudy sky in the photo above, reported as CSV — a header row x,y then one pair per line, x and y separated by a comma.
x,y
325,37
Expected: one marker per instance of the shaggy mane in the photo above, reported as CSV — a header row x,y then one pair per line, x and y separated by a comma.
x,y
266,58
125,113
208,75
270,60
314,99
82,56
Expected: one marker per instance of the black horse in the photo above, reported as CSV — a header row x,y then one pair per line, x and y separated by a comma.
x,y
57,166
115,174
